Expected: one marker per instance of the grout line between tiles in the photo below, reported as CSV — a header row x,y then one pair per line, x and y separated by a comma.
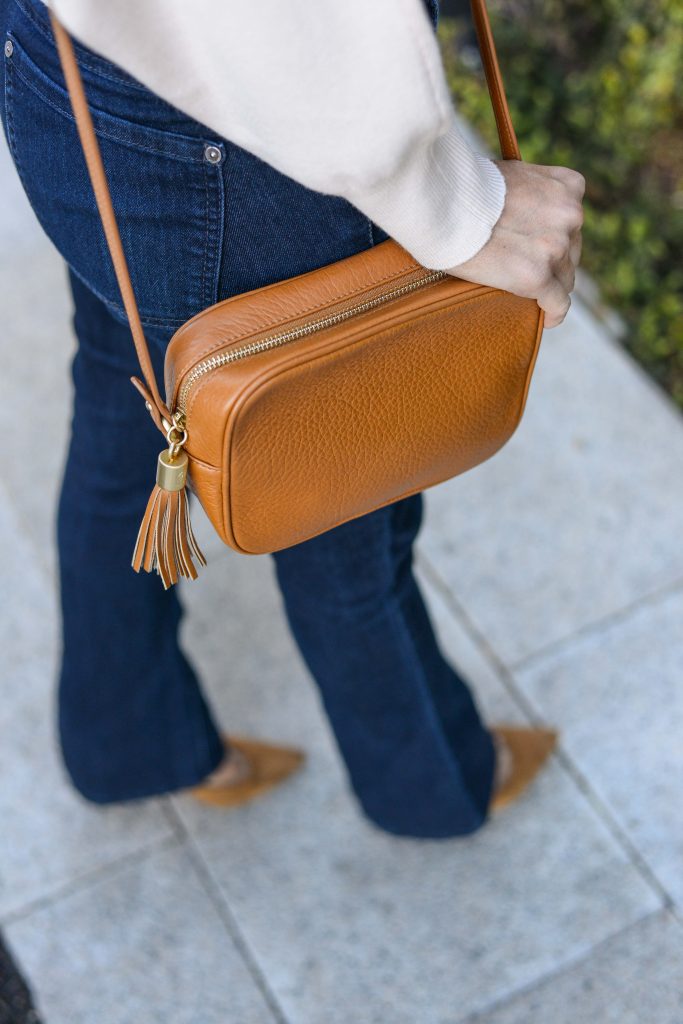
x,y
600,625
87,880
222,906
504,674
676,912
477,1016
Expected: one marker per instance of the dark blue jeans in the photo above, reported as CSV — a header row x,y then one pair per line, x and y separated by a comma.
x,y
133,721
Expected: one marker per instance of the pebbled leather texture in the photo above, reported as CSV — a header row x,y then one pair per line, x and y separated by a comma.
x,y
289,442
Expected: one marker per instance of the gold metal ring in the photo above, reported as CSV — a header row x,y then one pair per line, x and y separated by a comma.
x,y
174,436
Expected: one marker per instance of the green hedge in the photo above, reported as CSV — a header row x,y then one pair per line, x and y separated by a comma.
x,y
598,85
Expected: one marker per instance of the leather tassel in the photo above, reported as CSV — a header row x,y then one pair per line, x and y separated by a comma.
x,y
165,541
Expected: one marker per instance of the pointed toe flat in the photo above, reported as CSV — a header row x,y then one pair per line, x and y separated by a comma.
x,y
270,764
530,748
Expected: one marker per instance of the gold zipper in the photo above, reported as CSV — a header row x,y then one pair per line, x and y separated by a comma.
x,y
294,334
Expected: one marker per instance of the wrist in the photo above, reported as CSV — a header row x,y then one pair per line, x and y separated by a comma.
x,y
441,203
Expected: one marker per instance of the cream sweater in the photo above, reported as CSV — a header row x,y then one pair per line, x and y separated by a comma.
x,y
347,97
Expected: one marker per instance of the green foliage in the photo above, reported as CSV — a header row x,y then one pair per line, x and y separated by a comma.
x,y
598,85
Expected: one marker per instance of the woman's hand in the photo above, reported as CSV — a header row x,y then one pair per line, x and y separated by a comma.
x,y
535,245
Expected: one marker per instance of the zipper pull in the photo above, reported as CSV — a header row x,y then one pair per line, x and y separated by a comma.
x,y
165,540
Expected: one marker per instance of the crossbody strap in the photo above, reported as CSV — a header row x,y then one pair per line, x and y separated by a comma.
x,y
98,178
509,149
91,150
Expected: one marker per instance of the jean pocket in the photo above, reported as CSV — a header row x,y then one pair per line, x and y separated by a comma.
x,y
167,189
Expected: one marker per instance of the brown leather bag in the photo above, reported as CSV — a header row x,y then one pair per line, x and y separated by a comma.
x,y
301,405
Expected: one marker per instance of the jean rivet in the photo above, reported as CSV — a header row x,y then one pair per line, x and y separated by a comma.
x,y
212,154
9,48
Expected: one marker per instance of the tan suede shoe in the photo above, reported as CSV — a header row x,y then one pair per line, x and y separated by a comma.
x,y
269,764
530,749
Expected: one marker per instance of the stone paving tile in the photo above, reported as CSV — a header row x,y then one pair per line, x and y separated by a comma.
x,y
143,945
36,352
35,407
344,919
636,978
579,515
49,836
618,696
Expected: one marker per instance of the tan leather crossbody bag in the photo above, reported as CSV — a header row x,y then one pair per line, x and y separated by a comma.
x,y
296,407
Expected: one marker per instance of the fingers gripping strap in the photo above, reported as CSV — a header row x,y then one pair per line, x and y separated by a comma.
x,y
98,178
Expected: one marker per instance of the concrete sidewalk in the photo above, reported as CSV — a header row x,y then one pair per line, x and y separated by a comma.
x,y
555,575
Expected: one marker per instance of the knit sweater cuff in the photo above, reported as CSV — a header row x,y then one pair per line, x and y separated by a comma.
x,y
442,202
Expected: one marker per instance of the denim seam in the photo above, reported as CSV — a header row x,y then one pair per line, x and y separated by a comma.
x,y
213,184
201,746
434,713
219,231
150,321
100,358
206,230
9,114
430,710
393,607
105,132
83,58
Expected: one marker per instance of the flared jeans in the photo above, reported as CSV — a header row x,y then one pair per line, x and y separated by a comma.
x,y
202,219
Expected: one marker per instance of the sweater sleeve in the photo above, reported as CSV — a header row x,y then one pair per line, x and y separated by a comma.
x,y
346,98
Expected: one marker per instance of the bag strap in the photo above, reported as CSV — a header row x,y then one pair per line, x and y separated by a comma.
x,y
93,158
91,150
509,148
